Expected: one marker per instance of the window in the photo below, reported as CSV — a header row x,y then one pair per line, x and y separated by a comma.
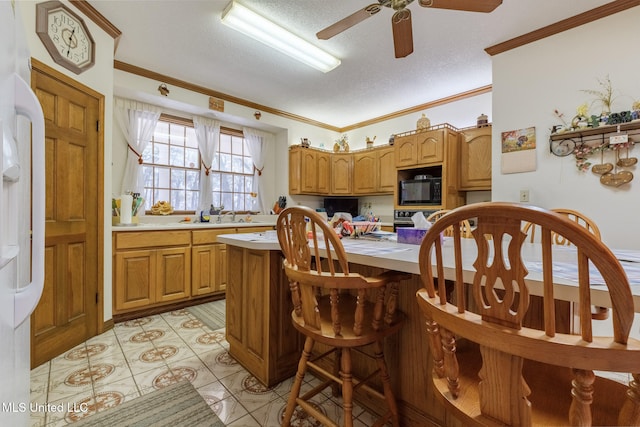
x,y
172,168
172,165
232,171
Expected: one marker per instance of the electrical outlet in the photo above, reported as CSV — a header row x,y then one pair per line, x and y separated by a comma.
x,y
524,196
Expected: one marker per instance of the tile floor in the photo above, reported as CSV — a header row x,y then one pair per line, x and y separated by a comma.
x,y
139,356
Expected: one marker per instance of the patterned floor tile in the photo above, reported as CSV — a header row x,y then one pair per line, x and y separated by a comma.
x,y
248,390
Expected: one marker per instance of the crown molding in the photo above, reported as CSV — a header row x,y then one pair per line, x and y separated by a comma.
x,y
97,18
564,25
122,66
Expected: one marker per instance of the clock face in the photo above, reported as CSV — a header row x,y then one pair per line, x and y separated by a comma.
x,y
562,147
65,36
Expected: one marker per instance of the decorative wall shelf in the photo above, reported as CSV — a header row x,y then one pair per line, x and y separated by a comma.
x,y
612,139
565,143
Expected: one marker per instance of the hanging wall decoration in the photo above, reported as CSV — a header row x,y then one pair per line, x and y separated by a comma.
x,y
518,151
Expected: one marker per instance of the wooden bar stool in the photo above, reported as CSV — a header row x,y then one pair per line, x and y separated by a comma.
x,y
492,370
342,310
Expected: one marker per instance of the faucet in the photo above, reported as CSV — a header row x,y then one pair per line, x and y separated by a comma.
x,y
221,215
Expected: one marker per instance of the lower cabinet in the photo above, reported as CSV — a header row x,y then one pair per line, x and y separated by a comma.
x,y
259,328
146,273
208,269
152,268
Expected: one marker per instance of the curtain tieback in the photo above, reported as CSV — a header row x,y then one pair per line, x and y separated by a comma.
x,y
259,170
136,153
206,168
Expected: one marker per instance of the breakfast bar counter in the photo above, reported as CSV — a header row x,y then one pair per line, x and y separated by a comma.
x,y
263,340
261,336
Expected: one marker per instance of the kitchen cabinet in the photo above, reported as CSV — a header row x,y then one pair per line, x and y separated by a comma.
x,y
155,268
151,268
475,158
320,172
341,171
425,147
374,171
433,152
309,171
259,330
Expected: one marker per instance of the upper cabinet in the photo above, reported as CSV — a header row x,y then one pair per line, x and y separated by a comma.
x,y
370,171
423,148
341,170
475,159
309,171
374,171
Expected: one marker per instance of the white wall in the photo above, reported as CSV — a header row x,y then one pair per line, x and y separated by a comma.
x,y
533,80
99,78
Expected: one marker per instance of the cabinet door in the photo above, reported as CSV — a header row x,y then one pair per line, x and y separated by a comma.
x,y
386,170
173,277
475,159
308,172
203,268
295,162
430,147
323,168
135,278
341,166
406,151
220,267
365,172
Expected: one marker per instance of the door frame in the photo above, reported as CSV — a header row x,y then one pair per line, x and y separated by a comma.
x,y
51,72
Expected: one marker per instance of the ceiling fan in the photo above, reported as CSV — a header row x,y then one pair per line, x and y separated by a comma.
x,y
401,19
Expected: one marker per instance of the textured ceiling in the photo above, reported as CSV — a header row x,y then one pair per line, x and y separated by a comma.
x,y
185,39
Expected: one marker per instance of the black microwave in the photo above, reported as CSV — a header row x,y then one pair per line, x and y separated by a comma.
x,y
425,191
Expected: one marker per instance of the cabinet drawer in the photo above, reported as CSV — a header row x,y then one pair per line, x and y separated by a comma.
x,y
149,239
205,237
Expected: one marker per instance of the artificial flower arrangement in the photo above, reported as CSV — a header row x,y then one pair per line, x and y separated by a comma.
x,y
604,96
341,144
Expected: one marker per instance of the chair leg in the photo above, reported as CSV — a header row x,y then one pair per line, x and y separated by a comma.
x,y
386,383
347,387
335,387
297,383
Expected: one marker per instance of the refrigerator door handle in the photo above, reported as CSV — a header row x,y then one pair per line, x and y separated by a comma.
x,y
27,105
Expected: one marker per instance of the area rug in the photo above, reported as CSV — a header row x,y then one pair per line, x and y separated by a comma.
x,y
173,406
211,313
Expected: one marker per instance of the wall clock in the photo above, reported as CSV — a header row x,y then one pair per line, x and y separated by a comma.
x,y
65,36
562,147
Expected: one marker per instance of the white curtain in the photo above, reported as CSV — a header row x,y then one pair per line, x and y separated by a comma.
x,y
208,136
255,144
137,121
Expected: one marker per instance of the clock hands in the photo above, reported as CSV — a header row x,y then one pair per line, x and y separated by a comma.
x,y
69,42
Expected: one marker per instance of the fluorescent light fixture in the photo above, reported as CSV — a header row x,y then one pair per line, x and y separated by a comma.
x,y
257,27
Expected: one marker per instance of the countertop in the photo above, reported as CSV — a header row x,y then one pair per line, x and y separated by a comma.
x,y
175,224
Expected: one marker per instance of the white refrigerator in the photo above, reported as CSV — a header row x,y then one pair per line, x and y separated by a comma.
x,y
22,202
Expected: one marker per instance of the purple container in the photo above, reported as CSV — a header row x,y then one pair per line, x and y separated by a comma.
x,y
412,236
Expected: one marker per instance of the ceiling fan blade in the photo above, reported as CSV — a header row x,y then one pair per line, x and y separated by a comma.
x,y
348,22
402,33
485,6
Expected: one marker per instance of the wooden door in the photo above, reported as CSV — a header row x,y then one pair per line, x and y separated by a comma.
x,y
71,304
475,159
202,270
173,277
134,279
220,257
323,168
341,174
430,147
386,171
309,172
364,172
406,151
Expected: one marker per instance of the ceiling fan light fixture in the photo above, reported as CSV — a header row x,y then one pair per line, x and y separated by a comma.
x,y
261,29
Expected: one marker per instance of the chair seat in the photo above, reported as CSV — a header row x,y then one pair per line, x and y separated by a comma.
x,y
550,406
347,338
